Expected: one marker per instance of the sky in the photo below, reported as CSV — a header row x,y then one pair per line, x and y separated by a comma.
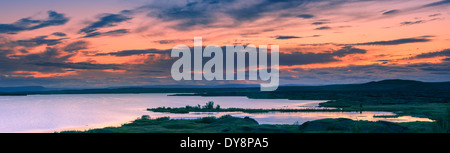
x,y
109,43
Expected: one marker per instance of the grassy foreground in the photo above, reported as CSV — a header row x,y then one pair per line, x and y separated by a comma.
x,y
439,112
229,124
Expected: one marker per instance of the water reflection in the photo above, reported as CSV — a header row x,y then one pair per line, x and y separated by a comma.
x,y
49,113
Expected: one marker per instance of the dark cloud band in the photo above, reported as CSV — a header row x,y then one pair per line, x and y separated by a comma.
x,y
26,24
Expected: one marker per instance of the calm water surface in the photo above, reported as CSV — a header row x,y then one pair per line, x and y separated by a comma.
x,y
49,113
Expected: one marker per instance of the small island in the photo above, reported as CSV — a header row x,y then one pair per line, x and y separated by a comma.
x,y
209,107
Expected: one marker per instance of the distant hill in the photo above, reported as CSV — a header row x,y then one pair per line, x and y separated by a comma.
x,y
395,81
375,92
405,85
384,85
344,95
22,89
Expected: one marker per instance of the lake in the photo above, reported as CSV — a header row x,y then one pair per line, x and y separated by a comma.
x,y
50,113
